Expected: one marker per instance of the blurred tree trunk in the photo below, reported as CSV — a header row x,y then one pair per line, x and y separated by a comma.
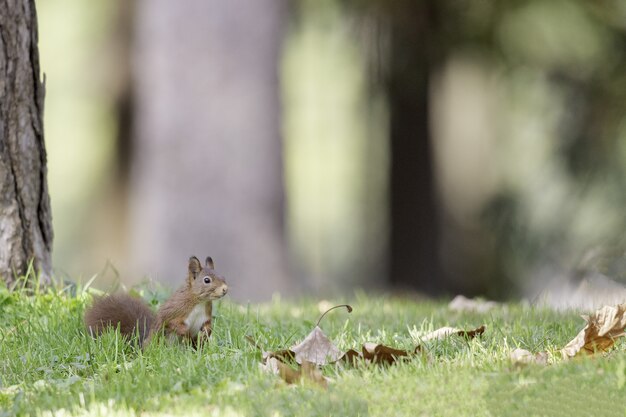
x,y
25,219
206,177
122,37
413,257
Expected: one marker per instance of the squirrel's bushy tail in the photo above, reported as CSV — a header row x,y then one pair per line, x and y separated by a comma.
x,y
130,314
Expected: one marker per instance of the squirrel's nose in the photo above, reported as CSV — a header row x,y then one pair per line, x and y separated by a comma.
x,y
224,289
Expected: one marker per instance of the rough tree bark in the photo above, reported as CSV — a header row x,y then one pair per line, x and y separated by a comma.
x,y
206,177
25,219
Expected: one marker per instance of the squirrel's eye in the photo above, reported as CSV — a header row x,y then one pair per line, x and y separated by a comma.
x,y
207,280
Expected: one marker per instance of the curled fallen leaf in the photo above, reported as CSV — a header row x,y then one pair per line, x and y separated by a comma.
x,y
351,356
376,353
603,327
316,348
382,354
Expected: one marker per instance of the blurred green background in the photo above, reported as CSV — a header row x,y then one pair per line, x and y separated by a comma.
x,y
437,146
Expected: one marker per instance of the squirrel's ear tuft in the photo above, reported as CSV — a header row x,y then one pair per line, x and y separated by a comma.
x,y
209,263
194,266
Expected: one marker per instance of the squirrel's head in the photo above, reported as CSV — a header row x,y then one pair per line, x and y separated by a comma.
x,y
204,281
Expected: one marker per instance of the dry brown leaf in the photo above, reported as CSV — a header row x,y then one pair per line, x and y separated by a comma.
x,y
316,348
446,332
461,303
525,357
382,354
603,327
377,354
351,356
470,334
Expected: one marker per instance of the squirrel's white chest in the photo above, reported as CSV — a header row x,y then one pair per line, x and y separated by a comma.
x,y
196,318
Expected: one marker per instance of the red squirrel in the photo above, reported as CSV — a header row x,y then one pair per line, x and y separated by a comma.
x,y
185,315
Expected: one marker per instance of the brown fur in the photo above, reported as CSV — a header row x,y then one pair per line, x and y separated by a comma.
x,y
176,309
132,315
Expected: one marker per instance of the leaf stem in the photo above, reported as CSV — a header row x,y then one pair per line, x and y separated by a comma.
x,y
348,307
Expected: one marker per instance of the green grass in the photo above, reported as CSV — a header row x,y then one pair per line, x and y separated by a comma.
x,y
50,366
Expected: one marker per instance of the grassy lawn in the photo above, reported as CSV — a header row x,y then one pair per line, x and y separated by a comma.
x,y
50,366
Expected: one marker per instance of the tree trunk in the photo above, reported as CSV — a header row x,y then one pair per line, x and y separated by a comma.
x,y
25,219
206,177
414,239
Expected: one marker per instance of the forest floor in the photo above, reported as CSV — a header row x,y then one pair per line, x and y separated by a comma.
x,y
50,366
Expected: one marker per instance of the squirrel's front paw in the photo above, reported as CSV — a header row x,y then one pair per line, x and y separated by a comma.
x,y
205,330
204,335
200,339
